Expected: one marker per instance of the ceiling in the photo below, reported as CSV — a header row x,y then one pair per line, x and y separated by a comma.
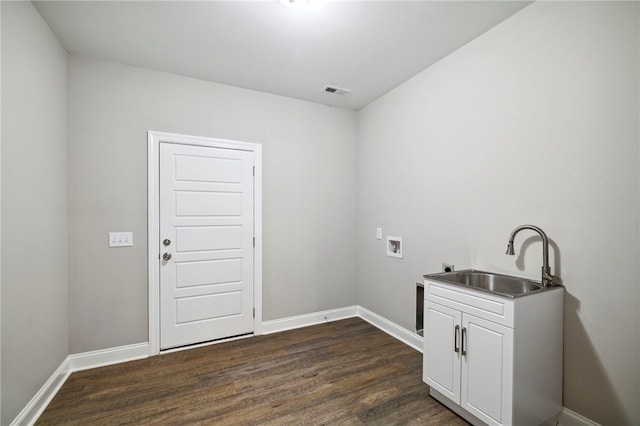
x,y
368,47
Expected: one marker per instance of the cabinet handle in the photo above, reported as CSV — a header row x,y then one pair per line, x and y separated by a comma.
x,y
456,333
464,335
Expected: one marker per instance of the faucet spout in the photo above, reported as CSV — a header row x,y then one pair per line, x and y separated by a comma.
x,y
547,278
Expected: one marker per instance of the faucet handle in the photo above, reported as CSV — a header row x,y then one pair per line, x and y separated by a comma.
x,y
550,280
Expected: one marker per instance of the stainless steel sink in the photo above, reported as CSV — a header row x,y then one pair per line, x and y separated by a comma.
x,y
503,285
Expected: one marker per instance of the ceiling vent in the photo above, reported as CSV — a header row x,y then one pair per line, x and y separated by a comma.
x,y
335,90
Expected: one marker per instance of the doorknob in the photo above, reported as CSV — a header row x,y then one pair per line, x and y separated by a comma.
x,y
166,256
166,242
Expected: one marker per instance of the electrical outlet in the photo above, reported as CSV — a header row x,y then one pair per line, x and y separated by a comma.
x,y
120,239
378,233
448,268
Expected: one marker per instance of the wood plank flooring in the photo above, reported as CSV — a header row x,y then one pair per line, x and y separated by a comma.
x,y
345,372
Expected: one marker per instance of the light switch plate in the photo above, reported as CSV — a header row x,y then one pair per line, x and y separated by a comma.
x,y
120,239
379,233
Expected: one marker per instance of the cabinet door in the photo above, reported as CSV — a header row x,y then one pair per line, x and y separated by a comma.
x,y
487,370
441,368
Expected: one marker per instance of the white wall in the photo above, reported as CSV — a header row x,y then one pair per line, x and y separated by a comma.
x,y
308,192
536,121
34,205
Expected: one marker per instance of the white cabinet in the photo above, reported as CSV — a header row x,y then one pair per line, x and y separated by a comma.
x,y
468,359
442,356
492,359
486,369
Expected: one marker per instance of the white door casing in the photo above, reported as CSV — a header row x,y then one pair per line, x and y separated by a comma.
x,y
205,200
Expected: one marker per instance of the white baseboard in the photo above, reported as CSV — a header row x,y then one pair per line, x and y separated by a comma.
x,y
73,363
43,397
405,336
100,358
571,418
298,321
290,323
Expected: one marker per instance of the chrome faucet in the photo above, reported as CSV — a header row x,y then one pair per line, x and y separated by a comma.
x,y
547,279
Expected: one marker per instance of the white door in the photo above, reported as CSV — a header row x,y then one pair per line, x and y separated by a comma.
x,y
206,244
442,350
487,370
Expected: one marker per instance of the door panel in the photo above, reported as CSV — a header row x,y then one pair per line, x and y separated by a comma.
x,y
486,370
205,238
190,274
199,308
197,291
200,203
208,169
442,363
206,212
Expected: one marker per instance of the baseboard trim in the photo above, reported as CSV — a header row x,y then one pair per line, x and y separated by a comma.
x,y
571,418
299,321
100,358
72,363
43,397
405,336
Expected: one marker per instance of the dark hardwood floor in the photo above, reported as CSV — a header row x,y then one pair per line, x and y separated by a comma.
x,y
345,372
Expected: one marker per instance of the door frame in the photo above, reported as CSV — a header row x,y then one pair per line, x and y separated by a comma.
x,y
153,222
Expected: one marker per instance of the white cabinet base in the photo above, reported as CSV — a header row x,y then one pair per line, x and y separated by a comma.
x,y
455,408
494,360
553,421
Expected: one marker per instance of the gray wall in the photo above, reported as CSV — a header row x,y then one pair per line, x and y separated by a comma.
x,y
308,190
450,160
35,325
536,121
